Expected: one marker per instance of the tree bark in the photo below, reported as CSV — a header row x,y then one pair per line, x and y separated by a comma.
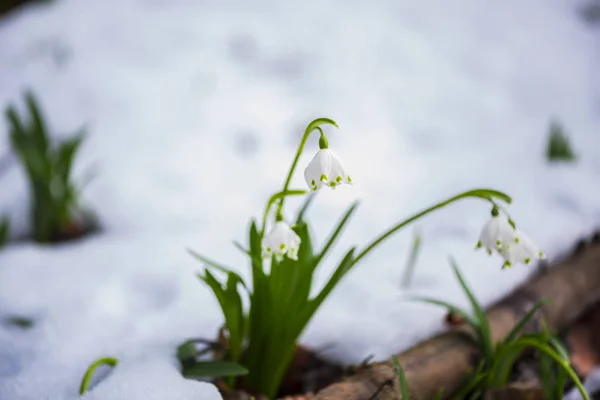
x,y
444,360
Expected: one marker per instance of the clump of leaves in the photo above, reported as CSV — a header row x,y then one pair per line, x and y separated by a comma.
x,y
559,146
493,372
281,296
48,166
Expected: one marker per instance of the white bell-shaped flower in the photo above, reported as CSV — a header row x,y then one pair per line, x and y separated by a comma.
x,y
496,234
326,169
521,250
281,241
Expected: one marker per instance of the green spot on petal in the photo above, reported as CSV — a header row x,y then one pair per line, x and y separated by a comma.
x,y
517,240
349,179
282,246
332,184
527,260
338,179
478,245
323,178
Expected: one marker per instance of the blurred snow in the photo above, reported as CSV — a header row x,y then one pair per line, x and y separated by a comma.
x,y
194,111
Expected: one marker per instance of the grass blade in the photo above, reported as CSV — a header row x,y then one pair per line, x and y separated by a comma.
x,y
523,321
214,369
480,315
401,378
454,309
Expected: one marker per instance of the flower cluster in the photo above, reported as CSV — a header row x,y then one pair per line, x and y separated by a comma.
x,y
501,235
325,169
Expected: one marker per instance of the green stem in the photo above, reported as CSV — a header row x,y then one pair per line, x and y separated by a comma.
x,y
485,194
273,199
311,127
560,361
90,371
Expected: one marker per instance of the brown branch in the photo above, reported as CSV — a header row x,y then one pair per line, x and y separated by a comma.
x,y
445,360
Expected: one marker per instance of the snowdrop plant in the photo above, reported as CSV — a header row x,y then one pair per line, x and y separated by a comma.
x,y
498,359
54,210
283,260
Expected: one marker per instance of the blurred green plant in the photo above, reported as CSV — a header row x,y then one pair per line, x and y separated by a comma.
x,y
401,378
281,300
200,369
553,377
9,5
85,382
411,262
54,196
4,230
493,372
559,146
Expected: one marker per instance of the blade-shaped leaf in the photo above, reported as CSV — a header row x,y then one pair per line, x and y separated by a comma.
x,y
214,369
216,265
4,230
401,378
334,235
307,203
38,126
453,309
66,154
525,320
480,315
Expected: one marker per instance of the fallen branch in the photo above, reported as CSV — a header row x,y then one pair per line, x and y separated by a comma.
x,y
445,360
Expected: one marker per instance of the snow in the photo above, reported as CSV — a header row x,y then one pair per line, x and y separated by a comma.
x,y
194,111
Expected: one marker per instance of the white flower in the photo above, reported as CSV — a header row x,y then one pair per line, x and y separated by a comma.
x,y
325,169
281,241
496,234
513,245
522,250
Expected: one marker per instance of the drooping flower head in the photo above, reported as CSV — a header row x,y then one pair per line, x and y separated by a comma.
x,y
281,241
500,234
325,168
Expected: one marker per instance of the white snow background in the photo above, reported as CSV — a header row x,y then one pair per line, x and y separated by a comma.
x,y
194,111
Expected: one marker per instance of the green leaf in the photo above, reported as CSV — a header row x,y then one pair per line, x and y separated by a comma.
x,y
401,378
474,323
305,205
187,351
66,153
335,234
480,315
411,262
558,359
214,369
525,320
38,127
472,384
216,265
4,230
21,322
344,266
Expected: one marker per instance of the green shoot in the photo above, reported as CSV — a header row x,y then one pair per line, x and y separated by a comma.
x,y
559,146
401,378
4,231
85,382
54,196
499,358
411,263
281,296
